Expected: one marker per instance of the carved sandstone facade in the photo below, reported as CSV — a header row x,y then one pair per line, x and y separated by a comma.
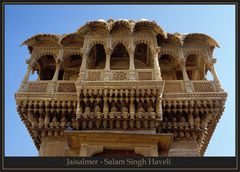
x,y
121,88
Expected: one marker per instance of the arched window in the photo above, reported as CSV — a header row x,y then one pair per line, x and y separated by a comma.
x,y
97,57
191,66
142,56
170,69
195,66
70,68
119,58
46,67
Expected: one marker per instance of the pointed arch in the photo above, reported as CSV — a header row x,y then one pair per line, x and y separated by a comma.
x,y
97,56
45,67
169,66
70,66
195,65
143,56
119,57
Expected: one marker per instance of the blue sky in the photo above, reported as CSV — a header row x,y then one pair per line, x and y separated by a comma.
x,y
23,21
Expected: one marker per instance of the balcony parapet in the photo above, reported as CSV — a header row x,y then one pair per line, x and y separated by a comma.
x,y
119,75
48,114
179,86
145,78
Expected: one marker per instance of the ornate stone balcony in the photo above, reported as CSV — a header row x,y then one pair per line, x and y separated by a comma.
x,y
35,102
170,86
124,76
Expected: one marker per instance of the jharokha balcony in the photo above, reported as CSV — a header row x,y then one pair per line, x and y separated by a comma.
x,y
123,76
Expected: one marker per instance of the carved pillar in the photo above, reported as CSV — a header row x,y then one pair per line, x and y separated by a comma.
x,y
83,67
26,77
55,76
156,65
182,63
23,86
210,64
131,65
52,85
132,72
107,65
58,64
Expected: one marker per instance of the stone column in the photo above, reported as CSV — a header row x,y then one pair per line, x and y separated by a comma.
x,y
107,65
182,63
59,60
210,64
55,76
26,78
83,67
132,75
52,85
156,65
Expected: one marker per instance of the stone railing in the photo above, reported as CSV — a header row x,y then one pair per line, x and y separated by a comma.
x,y
66,86
98,75
204,86
174,86
170,86
37,86
94,75
145,74
42,86
178,86
118,75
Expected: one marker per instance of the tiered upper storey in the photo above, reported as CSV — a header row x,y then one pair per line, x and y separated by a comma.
x,y
121,46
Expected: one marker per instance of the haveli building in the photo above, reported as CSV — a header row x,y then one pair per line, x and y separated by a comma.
x,y
121,88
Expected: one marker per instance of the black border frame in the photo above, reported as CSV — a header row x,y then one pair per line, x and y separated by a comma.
x,y
17,163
